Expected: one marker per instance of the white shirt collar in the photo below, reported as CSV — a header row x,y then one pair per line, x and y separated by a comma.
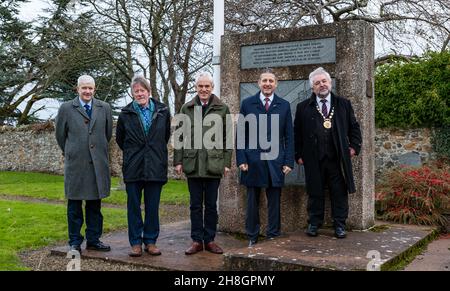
x,y
82,103
262,97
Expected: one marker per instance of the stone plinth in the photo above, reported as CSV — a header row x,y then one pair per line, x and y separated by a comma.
x,y
353,76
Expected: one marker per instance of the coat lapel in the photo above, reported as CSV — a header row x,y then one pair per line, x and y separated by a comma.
x,y
275,103
256,102
81,110
95,112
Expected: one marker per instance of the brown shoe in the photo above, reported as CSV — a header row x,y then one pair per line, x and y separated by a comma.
x,y
194,248
152,250
136,251
213,248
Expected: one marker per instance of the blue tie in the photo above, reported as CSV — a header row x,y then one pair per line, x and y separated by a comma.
x,y
88,110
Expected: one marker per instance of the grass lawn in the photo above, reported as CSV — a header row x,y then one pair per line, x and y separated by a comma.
x,y
51,187
26,225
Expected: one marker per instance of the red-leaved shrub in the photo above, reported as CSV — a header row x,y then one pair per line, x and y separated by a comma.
x,y
415,195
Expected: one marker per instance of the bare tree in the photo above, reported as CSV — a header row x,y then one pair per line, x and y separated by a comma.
x,y
405,27
162,39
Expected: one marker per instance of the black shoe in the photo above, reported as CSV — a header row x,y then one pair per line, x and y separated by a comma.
x,y
339,232
252,242
75,248
312,230
101,247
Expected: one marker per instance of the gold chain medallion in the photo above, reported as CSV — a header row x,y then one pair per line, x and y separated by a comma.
x,y
326,121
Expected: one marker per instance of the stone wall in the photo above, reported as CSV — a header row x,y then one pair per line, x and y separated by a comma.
x,y
34,149
395,147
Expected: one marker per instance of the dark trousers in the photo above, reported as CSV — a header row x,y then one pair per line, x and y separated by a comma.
x,y
94,221
331,176
140,231
203,191
252,223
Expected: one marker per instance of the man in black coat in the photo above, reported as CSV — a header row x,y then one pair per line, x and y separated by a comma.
x,y
143,131
326,136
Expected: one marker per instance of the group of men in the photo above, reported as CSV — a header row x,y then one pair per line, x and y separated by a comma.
x,y
323,137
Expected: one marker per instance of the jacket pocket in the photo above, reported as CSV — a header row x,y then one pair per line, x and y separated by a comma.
x,y
215,162
189,160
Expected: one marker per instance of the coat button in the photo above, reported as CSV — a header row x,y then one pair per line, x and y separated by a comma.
x,y
86,121
92,146
90,162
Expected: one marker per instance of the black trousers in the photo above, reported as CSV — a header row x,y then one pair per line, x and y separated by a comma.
x,y
203,192
252,223
94,221
331,177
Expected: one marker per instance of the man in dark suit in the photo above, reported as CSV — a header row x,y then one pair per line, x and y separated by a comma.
x,y
327,135
265,153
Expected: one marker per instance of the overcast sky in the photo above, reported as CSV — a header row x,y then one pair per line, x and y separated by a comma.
x,y
32,9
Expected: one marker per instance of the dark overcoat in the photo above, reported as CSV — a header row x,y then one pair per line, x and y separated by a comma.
x,y
259,170
84,142
345,131
145,156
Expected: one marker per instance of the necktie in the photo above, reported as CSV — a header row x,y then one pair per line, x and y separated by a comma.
x,y
267,99
88,110
324,107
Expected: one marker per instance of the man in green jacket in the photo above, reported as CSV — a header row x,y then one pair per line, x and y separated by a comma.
x,y
204,158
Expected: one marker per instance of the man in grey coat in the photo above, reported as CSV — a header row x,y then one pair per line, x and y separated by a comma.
x,y
83,132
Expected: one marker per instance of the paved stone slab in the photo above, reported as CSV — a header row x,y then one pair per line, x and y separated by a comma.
x,y
297,251
174,239
435,258
292,251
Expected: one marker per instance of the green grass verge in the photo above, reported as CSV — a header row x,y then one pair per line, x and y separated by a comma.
x,y
46,186
26,225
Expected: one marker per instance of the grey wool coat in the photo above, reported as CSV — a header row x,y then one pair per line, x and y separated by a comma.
x,y
84,143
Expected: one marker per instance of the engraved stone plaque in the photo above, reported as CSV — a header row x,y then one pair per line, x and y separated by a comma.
x,y
293,53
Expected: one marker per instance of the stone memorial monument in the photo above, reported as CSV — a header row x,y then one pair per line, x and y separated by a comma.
x,y
346,51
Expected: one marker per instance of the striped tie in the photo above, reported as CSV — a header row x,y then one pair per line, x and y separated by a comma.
x,y
324,107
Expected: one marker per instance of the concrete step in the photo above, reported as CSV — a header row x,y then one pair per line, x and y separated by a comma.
x,y
361,250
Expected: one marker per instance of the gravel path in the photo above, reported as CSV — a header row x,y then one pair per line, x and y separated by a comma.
x,y
42,260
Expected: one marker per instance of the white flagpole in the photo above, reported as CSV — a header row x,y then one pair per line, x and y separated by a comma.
x,y
219,27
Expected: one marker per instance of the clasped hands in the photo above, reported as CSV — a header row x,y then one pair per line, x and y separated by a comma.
x,y
244,168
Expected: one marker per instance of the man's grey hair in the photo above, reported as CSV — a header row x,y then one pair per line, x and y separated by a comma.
x,y
85,79
203,75
318,71
268,71
141,80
